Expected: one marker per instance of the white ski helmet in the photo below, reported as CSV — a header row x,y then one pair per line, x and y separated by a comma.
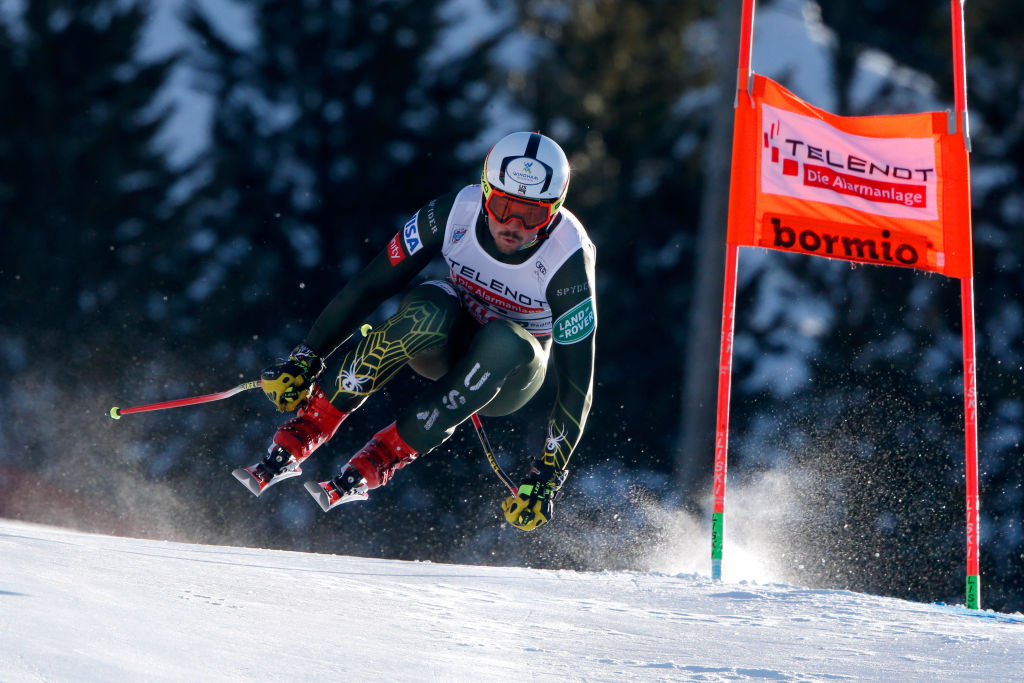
x,y
529,166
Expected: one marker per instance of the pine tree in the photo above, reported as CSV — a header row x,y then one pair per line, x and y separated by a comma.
x,y
328,133
83,212
83,185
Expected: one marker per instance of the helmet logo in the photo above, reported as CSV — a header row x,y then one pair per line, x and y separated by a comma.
x,y
525,171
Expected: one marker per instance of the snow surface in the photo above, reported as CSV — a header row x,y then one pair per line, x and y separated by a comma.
x,y
84,607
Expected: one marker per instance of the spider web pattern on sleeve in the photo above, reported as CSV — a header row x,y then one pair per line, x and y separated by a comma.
x,y
419,326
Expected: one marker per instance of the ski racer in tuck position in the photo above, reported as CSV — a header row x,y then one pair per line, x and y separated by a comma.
x,y
520,288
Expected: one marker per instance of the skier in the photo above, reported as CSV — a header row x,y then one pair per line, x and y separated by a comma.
x,y
520,287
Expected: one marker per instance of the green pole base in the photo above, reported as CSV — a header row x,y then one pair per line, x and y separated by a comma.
x,y
717,530
973,591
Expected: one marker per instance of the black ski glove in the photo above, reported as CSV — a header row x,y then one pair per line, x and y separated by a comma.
x,y
535,503
288,383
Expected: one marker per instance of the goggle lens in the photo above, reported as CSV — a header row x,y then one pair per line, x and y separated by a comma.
x,y
503,208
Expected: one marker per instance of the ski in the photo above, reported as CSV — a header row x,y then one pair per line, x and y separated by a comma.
x,y
257,481
329,497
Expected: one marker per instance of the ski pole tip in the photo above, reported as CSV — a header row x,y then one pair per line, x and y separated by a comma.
x,y
365,329
115,413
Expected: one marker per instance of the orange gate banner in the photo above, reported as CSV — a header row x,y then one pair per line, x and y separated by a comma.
x,y
889,190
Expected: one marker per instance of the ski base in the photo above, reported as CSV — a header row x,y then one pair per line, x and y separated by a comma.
x,y
254,479
328,497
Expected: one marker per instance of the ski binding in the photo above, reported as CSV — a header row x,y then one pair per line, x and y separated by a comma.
x,y
329,497
257,480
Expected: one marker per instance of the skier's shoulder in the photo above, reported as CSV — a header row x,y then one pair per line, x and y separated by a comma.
x,y
435,214
427,225
569,243
573,274
570,233
443,205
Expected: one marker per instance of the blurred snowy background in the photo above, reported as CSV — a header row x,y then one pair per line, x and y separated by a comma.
x,y
185,183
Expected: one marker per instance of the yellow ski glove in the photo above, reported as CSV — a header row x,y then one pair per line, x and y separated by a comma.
x,y
288,384
535,503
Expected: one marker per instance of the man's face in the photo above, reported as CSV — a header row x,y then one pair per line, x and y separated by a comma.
x,y
510,237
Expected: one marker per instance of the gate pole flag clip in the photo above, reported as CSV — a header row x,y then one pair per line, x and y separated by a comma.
x,y
886,190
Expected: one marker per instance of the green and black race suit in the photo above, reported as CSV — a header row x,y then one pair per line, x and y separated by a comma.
x,y
545,291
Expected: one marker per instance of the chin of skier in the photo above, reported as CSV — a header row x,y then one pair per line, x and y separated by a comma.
x,y
520,293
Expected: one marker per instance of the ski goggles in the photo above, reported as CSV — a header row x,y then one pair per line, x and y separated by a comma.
x,y
505,208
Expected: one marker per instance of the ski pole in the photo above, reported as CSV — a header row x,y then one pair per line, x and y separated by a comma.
x,y
116,412
489,452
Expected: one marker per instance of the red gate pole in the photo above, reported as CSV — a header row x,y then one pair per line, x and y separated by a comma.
x,y
722,422
743,75
973,596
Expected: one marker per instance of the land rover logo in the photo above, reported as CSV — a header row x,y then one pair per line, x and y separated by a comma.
x,y
576,324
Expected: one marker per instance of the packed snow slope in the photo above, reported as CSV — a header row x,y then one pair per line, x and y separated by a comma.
x,y
83,607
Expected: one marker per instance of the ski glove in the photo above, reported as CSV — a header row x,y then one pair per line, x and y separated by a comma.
x,y
288,383
535,503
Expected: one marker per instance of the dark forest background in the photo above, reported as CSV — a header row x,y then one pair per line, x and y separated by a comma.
x,y
128,279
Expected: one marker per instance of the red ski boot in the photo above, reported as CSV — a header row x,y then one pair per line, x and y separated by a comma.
x,y
313,425
372,467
